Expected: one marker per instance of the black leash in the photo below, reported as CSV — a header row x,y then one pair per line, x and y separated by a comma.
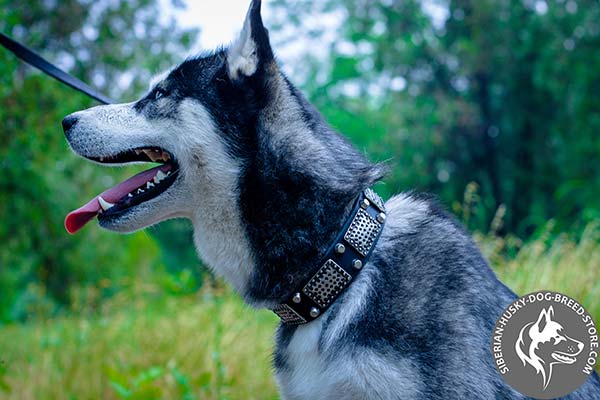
x,y
34,59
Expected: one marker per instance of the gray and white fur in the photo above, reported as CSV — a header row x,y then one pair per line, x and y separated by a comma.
x,y
267,185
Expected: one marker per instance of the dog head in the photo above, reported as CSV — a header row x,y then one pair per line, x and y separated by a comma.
x,y
193,121
544,343
242,154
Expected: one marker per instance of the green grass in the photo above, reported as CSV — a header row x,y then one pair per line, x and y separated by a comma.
x,y
557,264
207,346
147,345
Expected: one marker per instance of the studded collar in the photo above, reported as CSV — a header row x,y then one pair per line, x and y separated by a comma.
x,y
341,264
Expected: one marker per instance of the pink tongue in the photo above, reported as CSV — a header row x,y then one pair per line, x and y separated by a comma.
x,y
76,219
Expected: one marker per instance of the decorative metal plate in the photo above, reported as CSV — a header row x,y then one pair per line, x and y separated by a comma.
x,y
288,315
374,198
327,283
362,232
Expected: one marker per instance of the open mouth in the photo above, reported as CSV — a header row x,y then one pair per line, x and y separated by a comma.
x,y
138,189
563,358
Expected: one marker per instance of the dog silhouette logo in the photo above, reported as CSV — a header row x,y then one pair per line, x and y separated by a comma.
x,y
544,343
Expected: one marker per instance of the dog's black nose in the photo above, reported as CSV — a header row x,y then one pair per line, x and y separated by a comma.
x,y
68,122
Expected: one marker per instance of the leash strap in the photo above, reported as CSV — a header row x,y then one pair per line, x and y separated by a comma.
x,y
343,261
34,59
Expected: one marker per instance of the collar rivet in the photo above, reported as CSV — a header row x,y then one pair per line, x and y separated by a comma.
x,y
297,298
364,204
381,218
340,248
314,312
357,264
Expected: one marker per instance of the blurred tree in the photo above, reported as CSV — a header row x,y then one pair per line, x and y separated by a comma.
x,y
116,46
499,92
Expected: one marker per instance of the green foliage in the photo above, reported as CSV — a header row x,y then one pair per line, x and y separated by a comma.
x,y
4,386
549,262
143,386
501,93
41,180
144,344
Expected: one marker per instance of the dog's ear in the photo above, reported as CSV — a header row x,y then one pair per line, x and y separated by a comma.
x,y
544,318
251,51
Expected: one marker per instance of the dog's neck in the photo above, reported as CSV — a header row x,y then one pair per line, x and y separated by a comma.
x,y
289,230
341,264
265,221
296,194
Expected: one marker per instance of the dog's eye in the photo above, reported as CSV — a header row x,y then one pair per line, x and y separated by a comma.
x,y
158,93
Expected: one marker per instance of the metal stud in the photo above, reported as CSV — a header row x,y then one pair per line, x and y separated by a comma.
x,y
365,204
297,299
381,218
340,248
357,264
314,312
288,315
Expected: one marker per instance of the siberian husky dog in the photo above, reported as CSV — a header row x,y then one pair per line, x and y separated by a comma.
x,y
268,186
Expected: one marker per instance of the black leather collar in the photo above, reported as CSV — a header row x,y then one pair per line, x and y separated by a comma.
x,y
343,261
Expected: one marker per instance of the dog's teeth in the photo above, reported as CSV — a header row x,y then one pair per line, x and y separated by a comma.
x,y
104,204
149,185
138,152
139,191
159,176
129,195
154,155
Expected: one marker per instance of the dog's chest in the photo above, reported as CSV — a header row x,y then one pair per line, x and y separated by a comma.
x,y
307,374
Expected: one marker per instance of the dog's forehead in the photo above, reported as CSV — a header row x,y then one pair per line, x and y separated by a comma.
x,y
195,70
159,79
